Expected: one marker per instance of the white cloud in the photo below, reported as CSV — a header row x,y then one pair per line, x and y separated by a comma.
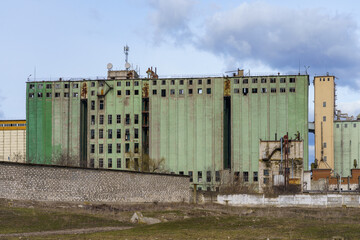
x,y
170,18
348,100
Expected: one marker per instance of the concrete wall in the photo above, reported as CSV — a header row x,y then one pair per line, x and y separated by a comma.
x,y
49,183
308,200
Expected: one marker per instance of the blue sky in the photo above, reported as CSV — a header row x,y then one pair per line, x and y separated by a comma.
x,y
180,37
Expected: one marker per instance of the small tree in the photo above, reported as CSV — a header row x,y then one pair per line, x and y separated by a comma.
x,y
143,163
355,163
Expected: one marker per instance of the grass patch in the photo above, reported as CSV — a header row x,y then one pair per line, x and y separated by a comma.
x,y
16,220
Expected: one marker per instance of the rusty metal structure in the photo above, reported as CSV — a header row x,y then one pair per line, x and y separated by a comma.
x,y
202,127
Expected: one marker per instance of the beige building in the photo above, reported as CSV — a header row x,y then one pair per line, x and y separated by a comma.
x,y
324,120
12,140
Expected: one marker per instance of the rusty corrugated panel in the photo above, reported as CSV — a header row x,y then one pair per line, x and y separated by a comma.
x,y
83,90
145,90
227,88
294,181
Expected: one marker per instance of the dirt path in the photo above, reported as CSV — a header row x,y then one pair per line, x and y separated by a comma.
x,y
66,231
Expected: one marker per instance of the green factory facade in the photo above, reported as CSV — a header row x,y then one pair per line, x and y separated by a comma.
x,y
346,146
201,127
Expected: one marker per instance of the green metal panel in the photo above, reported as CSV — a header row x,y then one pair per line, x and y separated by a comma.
x,y
346,146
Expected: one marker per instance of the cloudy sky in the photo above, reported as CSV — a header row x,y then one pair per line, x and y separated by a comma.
x,y
180,37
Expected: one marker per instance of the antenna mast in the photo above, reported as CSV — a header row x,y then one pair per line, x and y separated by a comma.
x,y
126,51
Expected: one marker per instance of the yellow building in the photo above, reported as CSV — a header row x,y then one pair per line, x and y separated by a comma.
x,y
324,120
13,140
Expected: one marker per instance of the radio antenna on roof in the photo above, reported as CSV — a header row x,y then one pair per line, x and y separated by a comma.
x,y
126,51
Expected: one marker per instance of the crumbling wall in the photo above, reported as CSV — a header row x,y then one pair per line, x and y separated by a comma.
x,y
52,183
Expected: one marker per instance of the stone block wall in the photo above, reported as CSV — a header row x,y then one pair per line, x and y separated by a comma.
x,y
53,183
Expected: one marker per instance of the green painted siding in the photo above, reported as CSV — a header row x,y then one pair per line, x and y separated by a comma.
x,y
346,146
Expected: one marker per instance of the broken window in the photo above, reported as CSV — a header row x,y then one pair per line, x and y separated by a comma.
x,y
163,82
199,90
208,176
181,82
118,162
136,92
255,176
48,95
190,173
154,91
154,82
217,176
236,90
40,95
101,84
136,119
109,119
292,89
101,163
101,148
92,163
118,133
246,176
190,82
127,162
127,119
118,118
101,119
273,90
282,80
109,133
31,95
75,85
254,90
181,173
92,148
57,95
40,86
263,80
92,119
292,80
272,80
66,85
32,86
127,147
172,82
199,81
208,81
118,148
245,91
92,84
264,90
128,83
75,94
266,172
136,83
109,148
48,86
119,92
181,91
92,105
109,162
101,104
208,91
199,176
236,81
190,91
245,81
101,133
92,134
92,93
254,80
282,90
136,147
136,133
172,91
127,92
163,92
127,134
118,83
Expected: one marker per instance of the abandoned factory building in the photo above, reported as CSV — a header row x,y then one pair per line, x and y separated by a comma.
x,y
202,127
